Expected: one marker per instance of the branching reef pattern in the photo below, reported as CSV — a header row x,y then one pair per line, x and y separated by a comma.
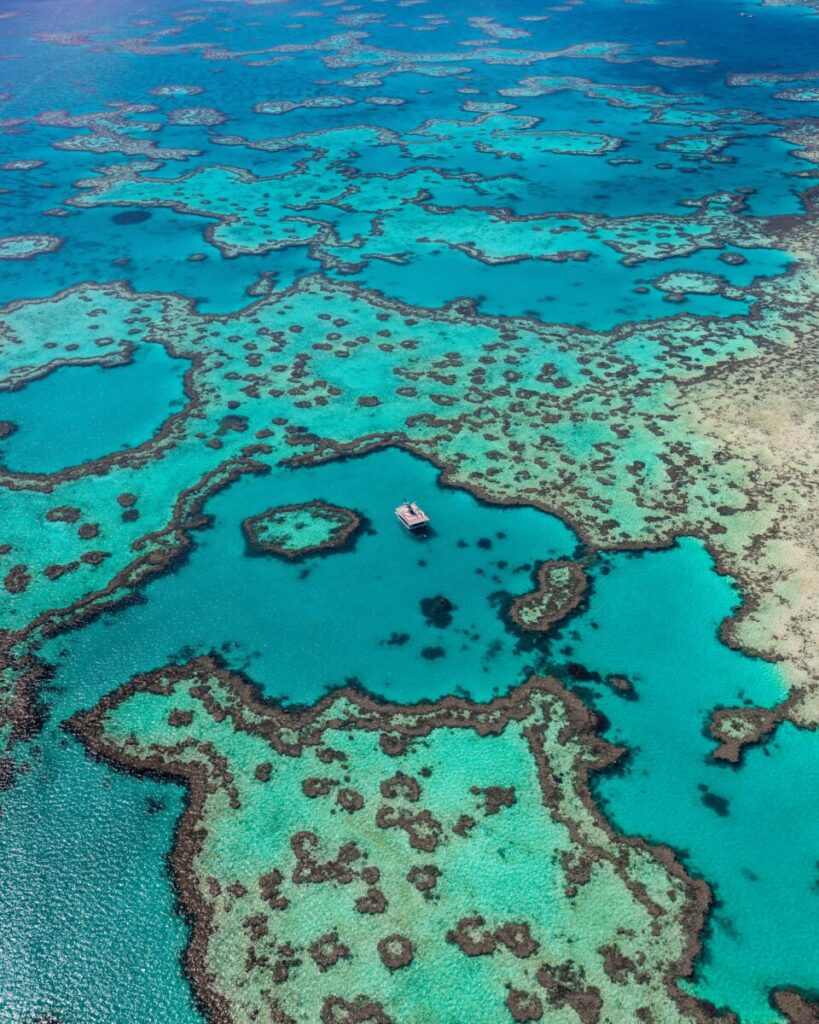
x,y
565,255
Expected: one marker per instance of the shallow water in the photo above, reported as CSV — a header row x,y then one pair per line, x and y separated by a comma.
x,y
298,628
654,618
89,929
80,413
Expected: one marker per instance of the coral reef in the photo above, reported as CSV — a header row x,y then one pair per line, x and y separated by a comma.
x,y
294,531
310,917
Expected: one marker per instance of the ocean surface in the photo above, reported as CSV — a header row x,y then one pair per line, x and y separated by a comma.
x,y
91,931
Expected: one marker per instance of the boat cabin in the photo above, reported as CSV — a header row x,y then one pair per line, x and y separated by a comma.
x,y
411,516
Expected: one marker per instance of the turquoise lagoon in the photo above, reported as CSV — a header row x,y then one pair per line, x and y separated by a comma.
x,y
301,628
77,414
89,929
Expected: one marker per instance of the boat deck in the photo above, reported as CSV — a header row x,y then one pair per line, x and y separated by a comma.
x,y
413,517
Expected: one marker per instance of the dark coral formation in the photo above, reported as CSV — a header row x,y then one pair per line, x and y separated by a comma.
x,y
561,588
271,532
437,611
796,1006
736,728
396,951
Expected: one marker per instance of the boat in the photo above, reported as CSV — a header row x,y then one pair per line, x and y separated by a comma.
x,y
411,516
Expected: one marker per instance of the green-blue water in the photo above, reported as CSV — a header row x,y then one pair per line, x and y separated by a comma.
x,y
78,413
653,618
298,628
89,929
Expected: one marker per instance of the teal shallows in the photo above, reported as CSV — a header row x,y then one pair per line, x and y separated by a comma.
x,y
295,531
298,627
90,932
513,866
91,885
80,413
93,244
654,619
